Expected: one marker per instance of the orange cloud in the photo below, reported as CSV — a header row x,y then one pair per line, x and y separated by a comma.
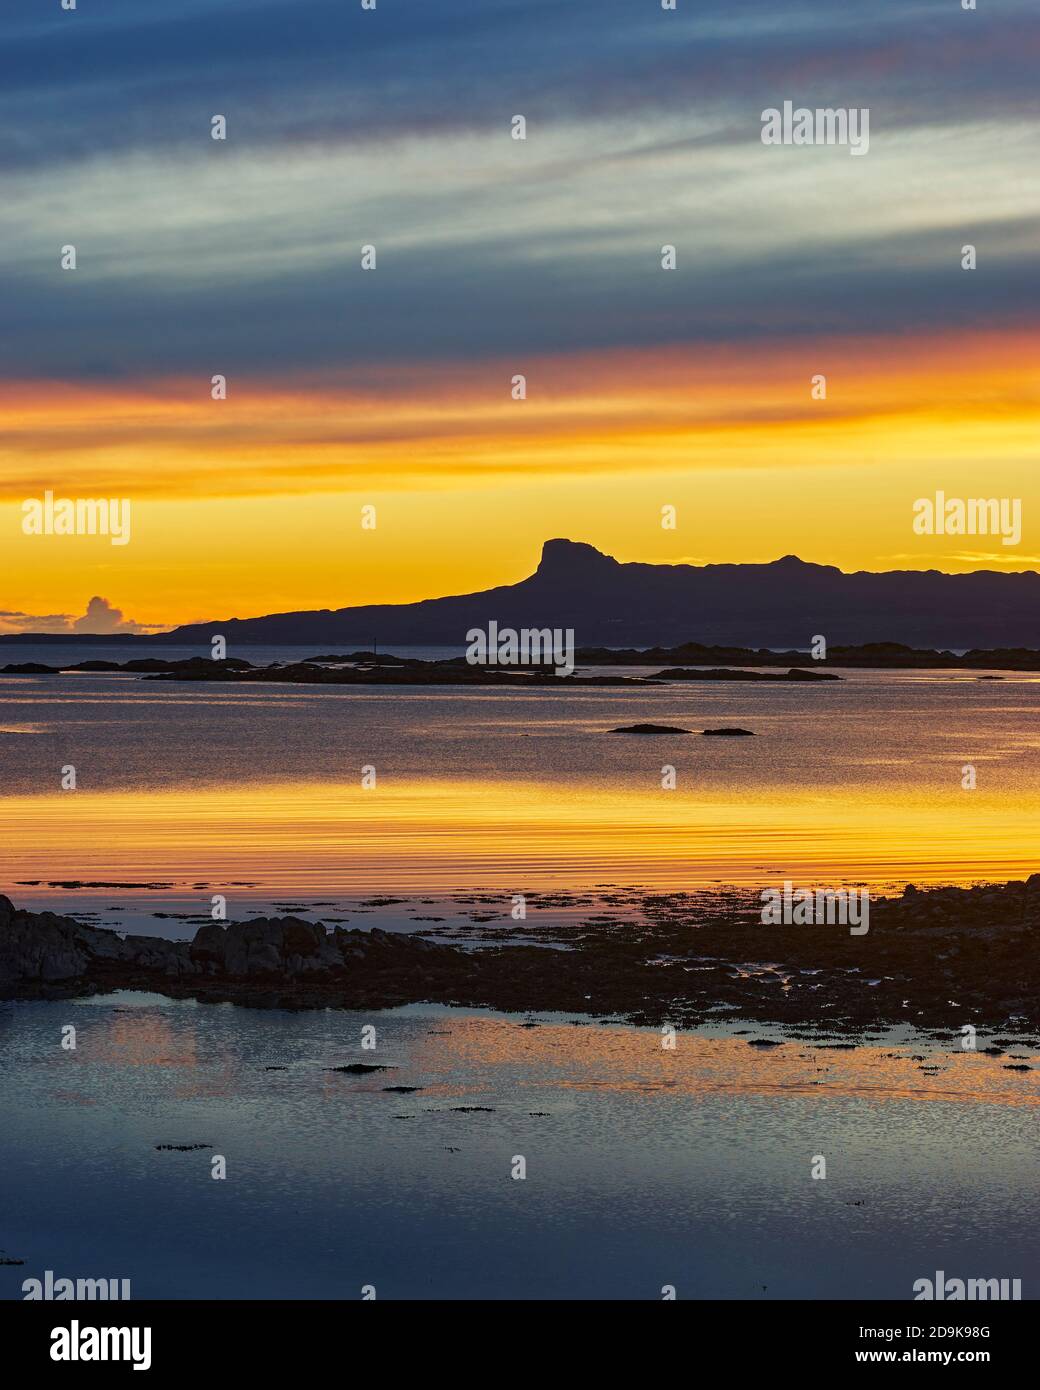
x,y
609,412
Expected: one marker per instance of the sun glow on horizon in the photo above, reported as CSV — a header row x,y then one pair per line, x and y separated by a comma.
x,y
252,505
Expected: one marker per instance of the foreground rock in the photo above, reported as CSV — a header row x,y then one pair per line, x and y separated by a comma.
x,y
278,961
937,959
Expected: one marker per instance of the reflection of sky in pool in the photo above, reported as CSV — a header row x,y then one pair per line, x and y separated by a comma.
x,y
646,1168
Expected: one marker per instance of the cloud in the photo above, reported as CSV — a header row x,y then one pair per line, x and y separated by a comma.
x,y
100,618
644,128
979,559
13,621
492,255
147,76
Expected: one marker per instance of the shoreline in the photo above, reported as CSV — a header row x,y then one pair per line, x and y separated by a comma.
x,y
937,958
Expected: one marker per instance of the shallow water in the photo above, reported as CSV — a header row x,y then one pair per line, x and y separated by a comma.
x,y
647,1168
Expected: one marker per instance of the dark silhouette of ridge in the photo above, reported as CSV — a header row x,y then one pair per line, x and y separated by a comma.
x,y
781,604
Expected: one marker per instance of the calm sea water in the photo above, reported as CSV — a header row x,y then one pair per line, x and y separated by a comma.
x,y
643,1167
257,792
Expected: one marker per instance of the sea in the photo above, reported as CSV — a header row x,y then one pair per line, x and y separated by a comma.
x,y
540,1156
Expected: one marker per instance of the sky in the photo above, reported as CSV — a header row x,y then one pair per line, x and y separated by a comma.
x,y
392,388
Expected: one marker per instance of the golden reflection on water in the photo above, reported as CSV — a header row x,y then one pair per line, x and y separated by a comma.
x,y
590,1058
475,1059
317,837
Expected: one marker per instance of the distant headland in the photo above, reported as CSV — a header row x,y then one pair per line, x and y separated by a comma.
x,y
783,604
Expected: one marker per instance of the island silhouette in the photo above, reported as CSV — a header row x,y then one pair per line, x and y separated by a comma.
x,y
784,603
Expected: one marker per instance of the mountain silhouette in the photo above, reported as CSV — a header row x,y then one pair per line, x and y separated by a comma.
x,y
784,603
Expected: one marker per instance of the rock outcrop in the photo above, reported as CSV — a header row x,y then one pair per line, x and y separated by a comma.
x,y
938,958
43,955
